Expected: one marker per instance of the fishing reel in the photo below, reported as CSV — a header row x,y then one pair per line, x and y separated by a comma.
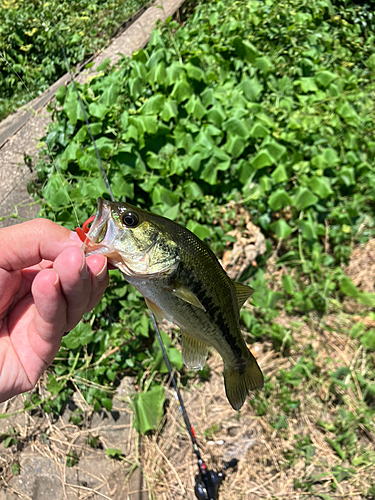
x,y
214,479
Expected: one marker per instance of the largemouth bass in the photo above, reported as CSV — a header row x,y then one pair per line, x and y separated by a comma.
x,y
183,282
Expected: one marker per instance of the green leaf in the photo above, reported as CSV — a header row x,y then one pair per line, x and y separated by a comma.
x,y
148,408
236,127
235,146
264,64
348,114
370,62
53,386
145,124
308,228
348,288
288,284
198,229
106,403
110,95
122,187
55,193
325,78
279,199
182,90
104,65
164,196
98,110
368,340
321,186
158,74
170,110
105,146
337,448
114,452
192,190
304,198
347,176
279,174
262,159
275,149
258,130
251,89
60,94
154,105
207,97
330,156
307,84
195,107
195,73
172,212
245,50
281,228
216,115
70,154
80,335
72,107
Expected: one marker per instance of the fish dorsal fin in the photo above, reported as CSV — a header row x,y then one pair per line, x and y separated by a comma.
x,y
243,292
194,352
184,293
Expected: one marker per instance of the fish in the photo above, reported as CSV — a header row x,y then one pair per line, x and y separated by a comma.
x,y
183,282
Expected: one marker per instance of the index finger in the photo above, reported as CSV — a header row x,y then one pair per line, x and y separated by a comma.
x,y
27,244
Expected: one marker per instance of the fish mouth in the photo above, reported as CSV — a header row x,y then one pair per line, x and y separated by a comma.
x,y
102,233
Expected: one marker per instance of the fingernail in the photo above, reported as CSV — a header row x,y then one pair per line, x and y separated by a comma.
x,y
84,272
56,282
102,273
74,236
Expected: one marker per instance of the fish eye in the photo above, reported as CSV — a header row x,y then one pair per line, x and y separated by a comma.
x,y
130,219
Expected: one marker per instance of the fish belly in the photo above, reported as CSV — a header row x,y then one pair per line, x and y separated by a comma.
x,y
190,319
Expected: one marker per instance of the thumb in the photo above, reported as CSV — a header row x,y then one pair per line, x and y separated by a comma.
x,y
29,243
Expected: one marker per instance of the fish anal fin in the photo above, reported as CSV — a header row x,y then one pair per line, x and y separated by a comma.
x,y
194,352
238,383
184,293
243,292
157,312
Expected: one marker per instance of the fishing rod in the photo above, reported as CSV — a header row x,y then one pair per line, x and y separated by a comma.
x,y
207,482
208,491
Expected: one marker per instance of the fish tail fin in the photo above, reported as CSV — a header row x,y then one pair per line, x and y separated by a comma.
x,y
238,382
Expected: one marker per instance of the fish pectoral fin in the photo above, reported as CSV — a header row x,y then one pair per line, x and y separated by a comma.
x,y
243,292
157,312
194,352
238,382
184,293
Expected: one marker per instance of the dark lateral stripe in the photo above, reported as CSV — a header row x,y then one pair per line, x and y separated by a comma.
x,y
214,311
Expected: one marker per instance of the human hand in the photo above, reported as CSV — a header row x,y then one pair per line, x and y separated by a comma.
x,y
46,285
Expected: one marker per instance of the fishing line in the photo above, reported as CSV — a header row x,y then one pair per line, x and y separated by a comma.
x,y
15,72
202,466
83,110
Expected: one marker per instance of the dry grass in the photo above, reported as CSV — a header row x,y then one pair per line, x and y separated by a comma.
x,y
263,470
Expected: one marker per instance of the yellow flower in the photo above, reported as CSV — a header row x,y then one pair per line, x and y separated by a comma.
x,y
30,33
26,48
8,4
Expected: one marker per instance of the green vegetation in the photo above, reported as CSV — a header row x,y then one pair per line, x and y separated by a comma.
x,y
30,54
267,105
